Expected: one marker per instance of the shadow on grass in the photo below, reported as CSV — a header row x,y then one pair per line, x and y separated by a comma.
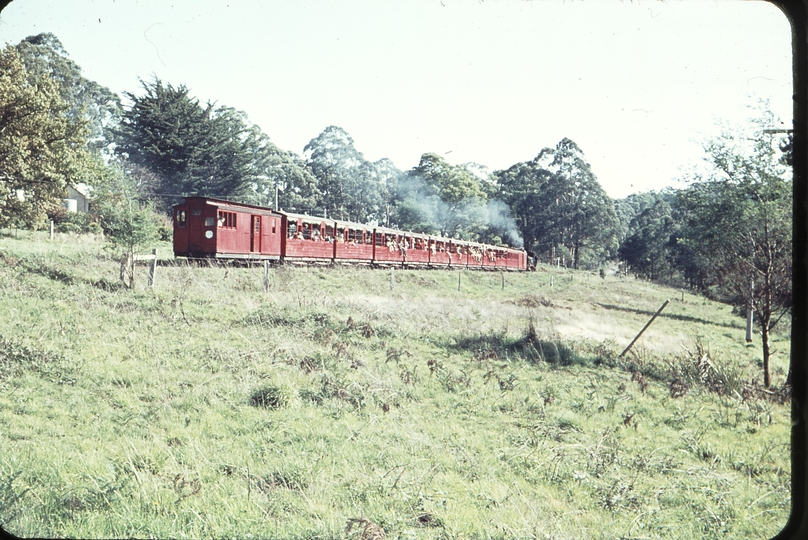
x,y
54,273
675,316
529,347
50,272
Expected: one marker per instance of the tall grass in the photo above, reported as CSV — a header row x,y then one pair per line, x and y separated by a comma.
x,y
333,406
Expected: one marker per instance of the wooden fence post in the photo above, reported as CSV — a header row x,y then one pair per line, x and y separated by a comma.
x,y
458,281
644,328
503,280
750,315
266,265
392,278
153,268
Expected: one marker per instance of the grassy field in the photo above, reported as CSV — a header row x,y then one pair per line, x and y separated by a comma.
x,y
336,405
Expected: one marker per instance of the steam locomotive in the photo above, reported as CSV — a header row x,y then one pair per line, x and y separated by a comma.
x,y
212,228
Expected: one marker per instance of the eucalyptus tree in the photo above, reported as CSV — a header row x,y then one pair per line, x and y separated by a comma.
x,y
559,206
737,226
649,246
87,101
442,198
350,187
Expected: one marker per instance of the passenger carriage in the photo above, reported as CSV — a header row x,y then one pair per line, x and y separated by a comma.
x,y
206,227
398,248
308,238
447,252
353,243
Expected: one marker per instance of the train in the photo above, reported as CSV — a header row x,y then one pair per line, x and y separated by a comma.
x,y
208,228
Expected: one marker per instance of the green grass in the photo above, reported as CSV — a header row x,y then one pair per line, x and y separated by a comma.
x,y
209,408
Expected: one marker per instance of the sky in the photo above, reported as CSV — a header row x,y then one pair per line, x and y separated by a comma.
x,y
638,85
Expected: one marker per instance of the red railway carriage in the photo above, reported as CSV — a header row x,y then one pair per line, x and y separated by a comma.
x,y
206,227
390,247
447,252
308,238
354,243
416,249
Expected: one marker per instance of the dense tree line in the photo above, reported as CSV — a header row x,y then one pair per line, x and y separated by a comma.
x,y
727,233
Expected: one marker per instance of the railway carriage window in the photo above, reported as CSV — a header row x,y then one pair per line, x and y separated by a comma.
x,y
210,222
226,219
379,239
273,226
180,218
196,211
292,230
306,231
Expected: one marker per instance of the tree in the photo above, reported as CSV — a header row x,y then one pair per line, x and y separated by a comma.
x,y
128,222
191,149
41,147
445,198
520,187
350,187
648,248
561,209
87,101
737,223
284,170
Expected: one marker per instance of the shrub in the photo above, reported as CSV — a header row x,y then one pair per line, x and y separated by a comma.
x,y
270,397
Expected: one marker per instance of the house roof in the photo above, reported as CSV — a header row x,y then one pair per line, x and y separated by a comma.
x,y
83,189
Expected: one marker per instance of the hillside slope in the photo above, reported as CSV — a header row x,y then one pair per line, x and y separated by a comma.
x,y
208,407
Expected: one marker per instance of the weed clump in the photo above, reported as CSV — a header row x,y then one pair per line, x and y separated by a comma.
x,y
533,301
289,479
270,397
366,529
16,359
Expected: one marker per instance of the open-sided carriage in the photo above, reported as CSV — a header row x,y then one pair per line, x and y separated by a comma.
x,y
214,228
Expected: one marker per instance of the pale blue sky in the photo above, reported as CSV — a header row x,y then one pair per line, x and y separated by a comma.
x,y
635,84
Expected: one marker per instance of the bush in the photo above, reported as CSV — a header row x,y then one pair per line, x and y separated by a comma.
x,y
270,397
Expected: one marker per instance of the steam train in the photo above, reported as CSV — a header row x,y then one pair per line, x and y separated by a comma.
x,y
218,229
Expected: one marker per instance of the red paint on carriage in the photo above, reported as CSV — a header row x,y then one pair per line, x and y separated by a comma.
x,y
309,238
205,227
353,243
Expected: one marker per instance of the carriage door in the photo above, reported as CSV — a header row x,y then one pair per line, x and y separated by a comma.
x,y
255,234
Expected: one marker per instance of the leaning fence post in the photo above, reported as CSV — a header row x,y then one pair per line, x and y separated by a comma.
x,y
153,268
503,280
644,328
